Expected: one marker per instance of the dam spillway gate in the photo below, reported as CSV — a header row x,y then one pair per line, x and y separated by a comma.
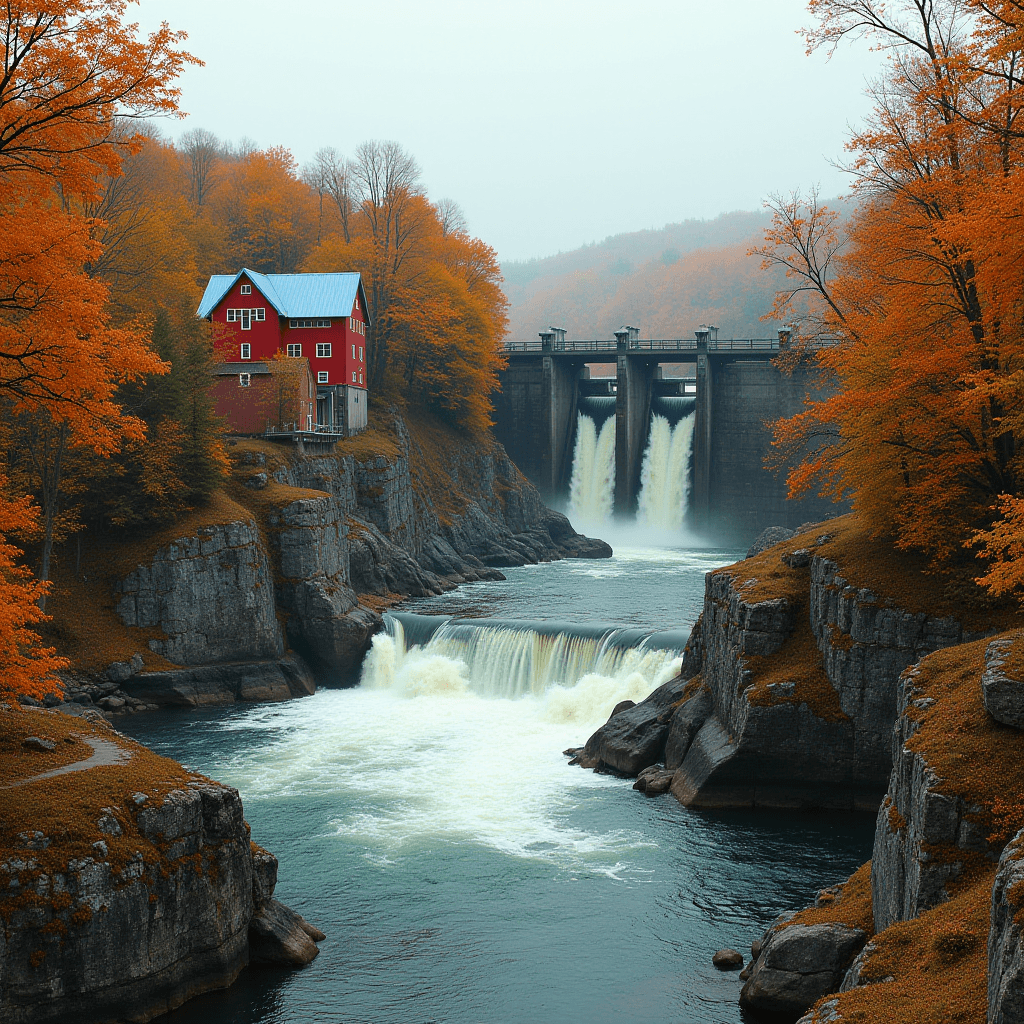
x,y
734,390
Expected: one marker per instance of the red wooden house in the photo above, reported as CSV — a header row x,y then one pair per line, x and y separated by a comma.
x,y
318,317
273,395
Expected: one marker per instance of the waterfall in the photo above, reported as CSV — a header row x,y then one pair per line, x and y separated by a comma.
x,y
665,475
592,486
577,671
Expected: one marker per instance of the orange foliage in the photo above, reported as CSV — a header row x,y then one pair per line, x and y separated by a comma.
x,y
72,69
924,294
27,665
437,310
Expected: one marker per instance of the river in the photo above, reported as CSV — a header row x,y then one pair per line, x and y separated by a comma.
x,y
462,871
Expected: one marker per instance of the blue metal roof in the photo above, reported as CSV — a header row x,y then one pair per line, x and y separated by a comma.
x,y
292,295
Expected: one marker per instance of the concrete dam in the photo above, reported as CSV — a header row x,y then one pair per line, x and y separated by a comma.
x,y
685,451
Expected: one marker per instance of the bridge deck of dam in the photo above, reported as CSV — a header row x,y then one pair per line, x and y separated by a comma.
x,y
647,348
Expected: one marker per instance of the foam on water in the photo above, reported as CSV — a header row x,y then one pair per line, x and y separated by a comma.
x,y
460,740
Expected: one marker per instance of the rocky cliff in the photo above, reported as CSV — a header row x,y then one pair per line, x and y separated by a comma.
x,y
823,672
795,666
127,883
282,587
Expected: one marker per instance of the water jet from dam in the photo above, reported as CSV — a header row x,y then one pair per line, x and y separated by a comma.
x,y
592,484
665,478
665,474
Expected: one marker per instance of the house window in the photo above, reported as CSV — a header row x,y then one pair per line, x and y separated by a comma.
x,y
353,376
261,314
357,302
321,377
246,350
309,323
353,351
231,316
295,351
243,380
247,289
360,378
360,353
323,351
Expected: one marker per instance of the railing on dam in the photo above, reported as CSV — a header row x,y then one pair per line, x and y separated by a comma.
x,y
661,345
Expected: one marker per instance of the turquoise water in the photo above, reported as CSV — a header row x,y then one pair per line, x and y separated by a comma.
x,y
462,871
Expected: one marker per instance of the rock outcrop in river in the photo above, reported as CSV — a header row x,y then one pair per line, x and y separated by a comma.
x,y
793,670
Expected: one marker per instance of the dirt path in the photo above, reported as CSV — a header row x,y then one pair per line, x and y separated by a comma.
x,y
104,753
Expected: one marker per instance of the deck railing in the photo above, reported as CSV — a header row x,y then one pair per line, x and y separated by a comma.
x,y
663,345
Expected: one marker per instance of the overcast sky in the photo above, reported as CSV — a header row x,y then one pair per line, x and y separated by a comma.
x,y
552,123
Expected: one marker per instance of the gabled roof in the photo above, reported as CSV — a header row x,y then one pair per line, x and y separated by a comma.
x,y
292,295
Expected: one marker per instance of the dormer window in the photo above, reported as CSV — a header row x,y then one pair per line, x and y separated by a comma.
x,y
247,289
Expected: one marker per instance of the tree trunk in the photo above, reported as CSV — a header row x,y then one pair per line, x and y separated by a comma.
x,y
51,502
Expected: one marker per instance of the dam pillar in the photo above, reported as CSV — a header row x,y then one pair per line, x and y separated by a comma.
x,y
632,414
535,411
561,375
700,503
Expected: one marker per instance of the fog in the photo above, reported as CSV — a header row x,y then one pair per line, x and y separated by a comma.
x,y
553,124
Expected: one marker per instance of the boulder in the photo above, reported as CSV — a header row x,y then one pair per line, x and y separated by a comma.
x,y
623,705
767,538
257,482
653,780
728,960
797,966
799,559
634,739
1005,952
204,685
40,743
1003,696
277,936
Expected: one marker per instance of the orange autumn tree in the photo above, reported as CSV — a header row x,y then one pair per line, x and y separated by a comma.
x,y
72,72
438,314
27,665
921,294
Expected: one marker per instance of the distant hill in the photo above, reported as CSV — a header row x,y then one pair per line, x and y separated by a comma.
x,y
665,282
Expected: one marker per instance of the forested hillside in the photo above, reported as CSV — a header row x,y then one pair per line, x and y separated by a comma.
x,y
665,281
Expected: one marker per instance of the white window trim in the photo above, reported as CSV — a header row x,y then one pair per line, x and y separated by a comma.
x,y
321,376
244,380
247,289
297,354
323,350
246,350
